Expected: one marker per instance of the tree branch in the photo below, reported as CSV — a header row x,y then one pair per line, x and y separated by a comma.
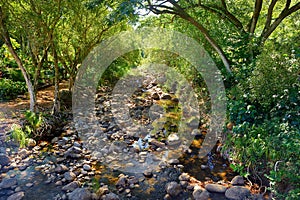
x,y
284,13
253,22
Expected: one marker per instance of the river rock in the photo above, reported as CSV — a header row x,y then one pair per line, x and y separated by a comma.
x,y
173,189
166,97
80,194
8,182
86,167
71,186
216,188
4,160
237,193
200,194
16,196
237,180
148,173
184,177
69,176
111,196
122,181
173,161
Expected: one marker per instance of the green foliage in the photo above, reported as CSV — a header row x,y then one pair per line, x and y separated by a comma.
x,y
32,123
9,89
33,120
271,149
265,141
19,135
273,75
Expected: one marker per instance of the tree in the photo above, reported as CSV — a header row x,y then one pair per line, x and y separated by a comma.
x,y
6,37
82,28
251,29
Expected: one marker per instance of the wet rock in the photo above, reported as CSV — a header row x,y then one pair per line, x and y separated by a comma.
x,y
80,194
69,176
237,193
173,189
8,182
4,160
215,188
237,180
71,186
111,196
16,196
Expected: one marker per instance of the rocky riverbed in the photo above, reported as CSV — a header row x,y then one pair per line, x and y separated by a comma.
x,y
68,168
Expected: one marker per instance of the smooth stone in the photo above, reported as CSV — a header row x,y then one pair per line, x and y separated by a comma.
x,y
238,180
80,194
216,188
86,167
16,196
71,186
173,161
173,188
237,193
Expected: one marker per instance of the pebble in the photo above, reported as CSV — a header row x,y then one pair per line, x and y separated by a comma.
x,y
86,167
148,173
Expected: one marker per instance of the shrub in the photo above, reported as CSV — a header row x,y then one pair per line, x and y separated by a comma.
x,y
10,89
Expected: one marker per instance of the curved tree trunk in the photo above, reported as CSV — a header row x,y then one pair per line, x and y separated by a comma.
x,y
7,41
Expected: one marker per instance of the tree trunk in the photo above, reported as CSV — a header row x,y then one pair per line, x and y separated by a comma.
x,y
6,38
56,105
